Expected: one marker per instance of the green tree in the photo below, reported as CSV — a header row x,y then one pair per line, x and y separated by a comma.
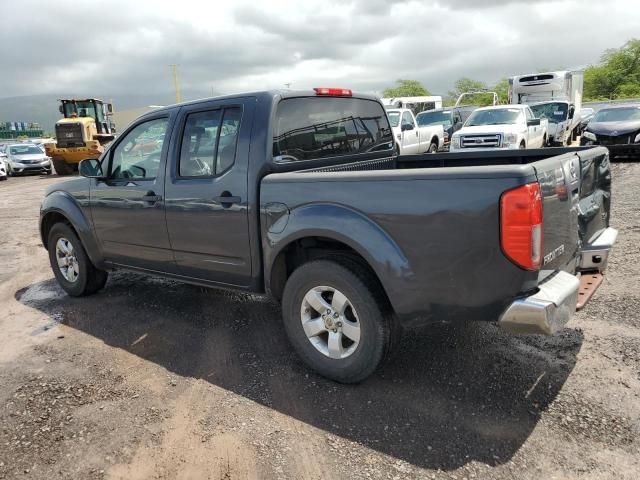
x,y
406,88
502,89
617,75
465,84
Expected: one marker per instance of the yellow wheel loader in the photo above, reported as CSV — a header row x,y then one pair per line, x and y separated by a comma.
x,y
83,132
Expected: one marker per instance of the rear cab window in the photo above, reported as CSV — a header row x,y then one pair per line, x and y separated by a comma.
x,y
309,128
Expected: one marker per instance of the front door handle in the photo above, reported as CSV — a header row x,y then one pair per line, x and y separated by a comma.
x,y
151,197
227,200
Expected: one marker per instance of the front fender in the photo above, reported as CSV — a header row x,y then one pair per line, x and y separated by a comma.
x,y
350,227
73,210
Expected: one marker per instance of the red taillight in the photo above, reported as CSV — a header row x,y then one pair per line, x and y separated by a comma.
x,y
521,225
335,92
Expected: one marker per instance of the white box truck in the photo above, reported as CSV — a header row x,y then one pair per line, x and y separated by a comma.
x,y
556,96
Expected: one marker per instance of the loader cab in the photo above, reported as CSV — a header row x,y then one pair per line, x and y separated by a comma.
x,y
97,109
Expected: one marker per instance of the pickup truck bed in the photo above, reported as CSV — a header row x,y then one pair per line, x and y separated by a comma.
x,y
300,195
434,227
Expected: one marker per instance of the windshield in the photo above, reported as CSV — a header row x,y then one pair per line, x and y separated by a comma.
x,y
434,118
82,109
617,115
495,116
556,112
394,118
24,150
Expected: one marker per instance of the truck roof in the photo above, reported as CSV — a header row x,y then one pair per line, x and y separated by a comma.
x,y
266,94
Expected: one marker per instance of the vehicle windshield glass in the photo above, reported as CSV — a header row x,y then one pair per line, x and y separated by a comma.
x,y
556,112
82,109
394,118
24,150
434,118
497,116
617,115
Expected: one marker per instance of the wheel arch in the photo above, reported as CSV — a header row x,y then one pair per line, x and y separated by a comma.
x,y
321,231
61,207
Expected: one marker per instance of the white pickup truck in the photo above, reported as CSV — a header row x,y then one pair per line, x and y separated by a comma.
x,y
501,127
411,137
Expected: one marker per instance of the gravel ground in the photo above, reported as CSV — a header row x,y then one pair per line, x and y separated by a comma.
x,y
155,379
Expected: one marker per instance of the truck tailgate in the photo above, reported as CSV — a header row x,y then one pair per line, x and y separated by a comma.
x,y
576,191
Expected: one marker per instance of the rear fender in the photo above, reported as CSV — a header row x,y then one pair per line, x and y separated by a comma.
x,y
64,204
352,228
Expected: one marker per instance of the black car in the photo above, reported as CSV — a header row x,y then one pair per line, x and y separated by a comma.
x,y
617,128
451,120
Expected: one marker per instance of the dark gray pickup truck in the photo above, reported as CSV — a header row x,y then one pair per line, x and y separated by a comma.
x,y
299,195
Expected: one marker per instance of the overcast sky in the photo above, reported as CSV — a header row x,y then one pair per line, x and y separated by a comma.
x,y
125,47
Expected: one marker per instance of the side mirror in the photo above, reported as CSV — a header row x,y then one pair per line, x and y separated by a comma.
x,y
406,126
572,111
90,168
60,109
109,108
534,122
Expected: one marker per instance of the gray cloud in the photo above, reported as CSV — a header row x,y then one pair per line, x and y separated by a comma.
x,y
83,48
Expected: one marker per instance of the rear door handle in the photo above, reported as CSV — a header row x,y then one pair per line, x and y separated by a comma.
x,y
151,197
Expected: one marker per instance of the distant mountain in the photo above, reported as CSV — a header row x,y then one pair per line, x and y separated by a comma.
x,y
43,109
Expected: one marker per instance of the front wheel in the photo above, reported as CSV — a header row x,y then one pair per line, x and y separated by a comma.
x,y
71,264
433,148
333,317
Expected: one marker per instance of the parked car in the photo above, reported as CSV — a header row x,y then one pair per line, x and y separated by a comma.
x,y
3,167
25,158
502,126
411,137
618,128
301,198
451,120
586,114
563,127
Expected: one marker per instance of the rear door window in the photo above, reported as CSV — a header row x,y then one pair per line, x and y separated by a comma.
x,y
209,142
320,127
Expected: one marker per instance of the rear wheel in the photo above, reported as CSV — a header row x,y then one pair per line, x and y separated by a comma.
x,y
545,142
62,167
334,318
70,263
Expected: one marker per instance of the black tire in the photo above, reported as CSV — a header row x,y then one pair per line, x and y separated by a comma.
x,y
545,142
364,294
89,278
62,167
433,148
522,146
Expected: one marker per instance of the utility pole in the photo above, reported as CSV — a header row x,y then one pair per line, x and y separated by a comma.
x,y
176,82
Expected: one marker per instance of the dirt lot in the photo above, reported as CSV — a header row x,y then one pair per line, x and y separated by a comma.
x,y
154,379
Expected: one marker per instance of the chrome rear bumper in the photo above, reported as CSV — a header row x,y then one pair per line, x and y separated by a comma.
x,y
595,255
545,312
